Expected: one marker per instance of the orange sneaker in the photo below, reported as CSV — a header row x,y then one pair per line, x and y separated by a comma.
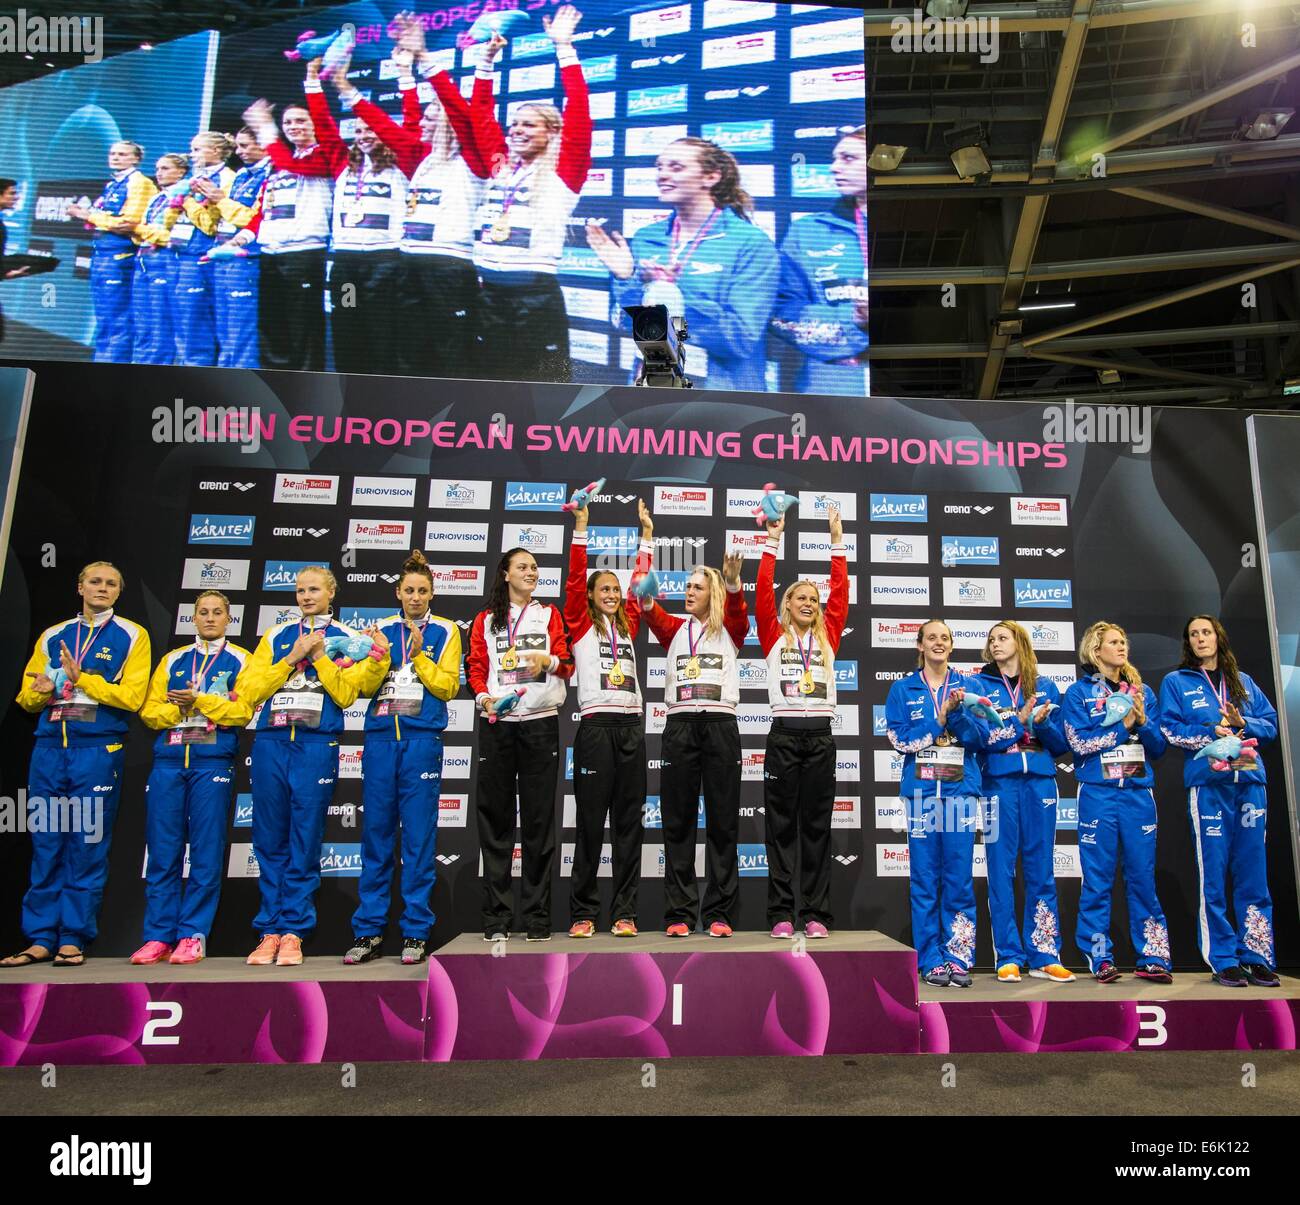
x,y
582,928
624,928
719,928
290,951
1056,973
150,953
678,930
266,951
1009,973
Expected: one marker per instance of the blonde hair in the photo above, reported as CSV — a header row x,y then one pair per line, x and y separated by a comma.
x,y
176,159
223,144
920,635
330,580
1090,645
81,577
546,162
818,623
717,599
212,594
1025,655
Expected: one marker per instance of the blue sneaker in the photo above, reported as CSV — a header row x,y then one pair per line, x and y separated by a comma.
x,y
958,976
937,976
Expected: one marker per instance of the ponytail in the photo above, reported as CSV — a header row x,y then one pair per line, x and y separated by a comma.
x,y
727,193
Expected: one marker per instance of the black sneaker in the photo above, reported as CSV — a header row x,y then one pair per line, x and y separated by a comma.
x,y
1108,972
1260,975
363,950
496,933
1232,976
539,935
1153,973
412,951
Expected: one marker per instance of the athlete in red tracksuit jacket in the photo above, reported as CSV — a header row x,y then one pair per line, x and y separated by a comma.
x,y
609,759
518,645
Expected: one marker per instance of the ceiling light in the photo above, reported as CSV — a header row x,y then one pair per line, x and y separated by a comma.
x,y
942,10
1044,305
1108,376
1266,124
966,149
885,158
1007,327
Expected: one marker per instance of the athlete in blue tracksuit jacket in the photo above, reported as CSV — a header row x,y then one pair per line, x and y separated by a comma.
x,y
1228,807
728,282
1117,810
120,207
940,789
821,306
236,277
402,767
1018,770
295,759
78,755
193,705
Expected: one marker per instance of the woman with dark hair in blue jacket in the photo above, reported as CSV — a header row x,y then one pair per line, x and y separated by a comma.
x,y
1208,699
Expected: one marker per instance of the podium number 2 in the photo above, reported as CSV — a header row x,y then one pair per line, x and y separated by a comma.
x,y
171,1017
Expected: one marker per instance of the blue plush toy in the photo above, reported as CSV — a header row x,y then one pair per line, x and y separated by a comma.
x,y
220,684
508,22
1225,750
345,650
1118,704
583,496
224,251
1051,707
59,676
645,586
773,505
982,707
333,48
505,703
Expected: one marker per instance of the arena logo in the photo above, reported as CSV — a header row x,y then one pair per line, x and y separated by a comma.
x,y
182,424
1088,424
1039,551
664,59
754,90
242,486
299,532
967,510
221,529
919,34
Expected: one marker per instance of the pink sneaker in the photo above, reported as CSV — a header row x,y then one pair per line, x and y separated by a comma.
x,y
149,953
814,928
784,929
719,928
189,950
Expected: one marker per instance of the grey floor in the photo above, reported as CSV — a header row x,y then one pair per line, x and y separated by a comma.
x,y
1188,1085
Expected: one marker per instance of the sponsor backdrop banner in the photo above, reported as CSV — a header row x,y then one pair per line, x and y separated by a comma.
x,y
958,509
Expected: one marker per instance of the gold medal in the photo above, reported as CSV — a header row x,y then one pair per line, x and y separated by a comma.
x,y
944,739
806,683
616,675
510,658
692,669
500,232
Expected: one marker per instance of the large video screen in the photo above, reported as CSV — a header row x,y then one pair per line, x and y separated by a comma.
x,y
709,156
